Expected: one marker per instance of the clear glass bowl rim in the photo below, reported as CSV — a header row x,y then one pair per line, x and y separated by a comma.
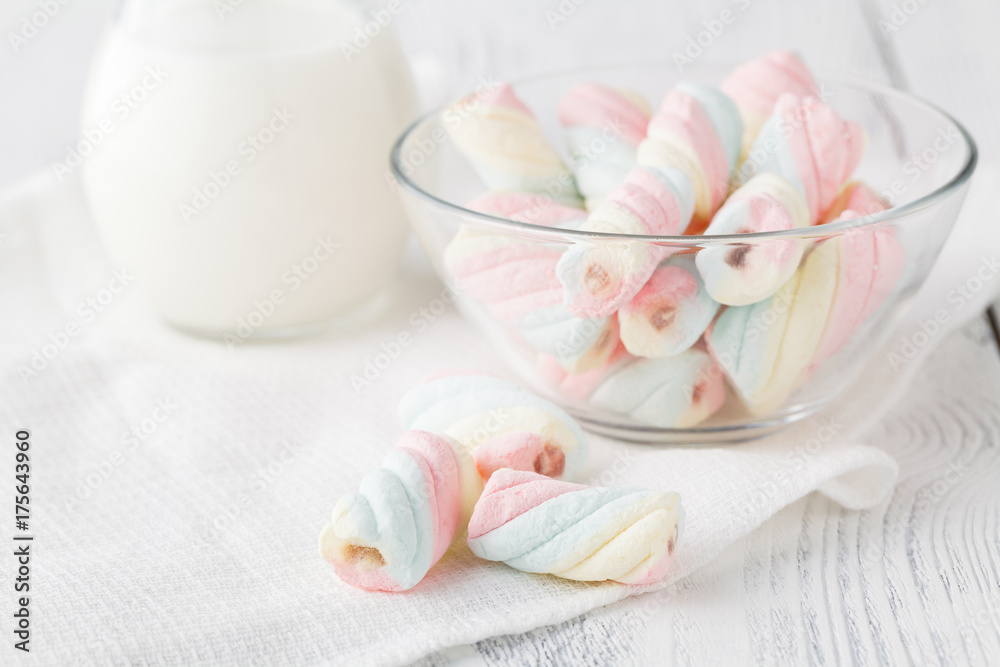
x,y
550,234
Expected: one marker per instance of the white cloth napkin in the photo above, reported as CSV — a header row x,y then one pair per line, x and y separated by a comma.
x,y
179,486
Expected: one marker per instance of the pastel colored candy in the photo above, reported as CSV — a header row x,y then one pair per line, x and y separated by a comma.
x,y
693,145
599,277
593,105
516,279
520,450
581,385
858,200
539,525
531,208
603,129
671,392
580,344
697,132
506,146
512,275
803,155
476,409
389,534
870,263
877,261
807,143
756,85
738,274
765,348
670,313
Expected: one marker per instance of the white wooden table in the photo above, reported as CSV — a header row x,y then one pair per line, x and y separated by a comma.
x,y
916,581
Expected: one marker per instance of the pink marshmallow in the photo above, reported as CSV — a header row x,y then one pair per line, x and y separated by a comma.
x,y
598,280
503,95
437,459
858,200
683,117
581,385
825,148
757,84
649,200
520,450
511,495
439,490
871,262
534,209
513,279
597,106
669,313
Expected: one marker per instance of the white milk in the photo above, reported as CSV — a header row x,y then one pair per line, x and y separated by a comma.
x,y
240,166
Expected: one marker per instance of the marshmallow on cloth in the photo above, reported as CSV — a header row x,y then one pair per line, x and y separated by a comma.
x,y
503,424
768,348
536,524
802,156
604,127
670,313
463,427
755,86
502,139
387,536
516,279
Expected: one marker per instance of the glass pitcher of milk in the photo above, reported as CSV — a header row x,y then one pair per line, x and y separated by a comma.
x,y
239,162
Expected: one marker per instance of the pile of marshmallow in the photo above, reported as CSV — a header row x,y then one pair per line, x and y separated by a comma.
x,y
658,332
484,458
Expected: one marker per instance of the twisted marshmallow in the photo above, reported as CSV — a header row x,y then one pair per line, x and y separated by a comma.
x,y
672,392
536,524
604,127
680,391
697,132
856,199
599,277
750,271
530,208
387,536
670,312
502,424
755,86
870,264
767,349
506,146
694,144
516,279
580,386
803,155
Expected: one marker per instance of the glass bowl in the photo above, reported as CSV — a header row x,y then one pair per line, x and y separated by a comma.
x,y
918,158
